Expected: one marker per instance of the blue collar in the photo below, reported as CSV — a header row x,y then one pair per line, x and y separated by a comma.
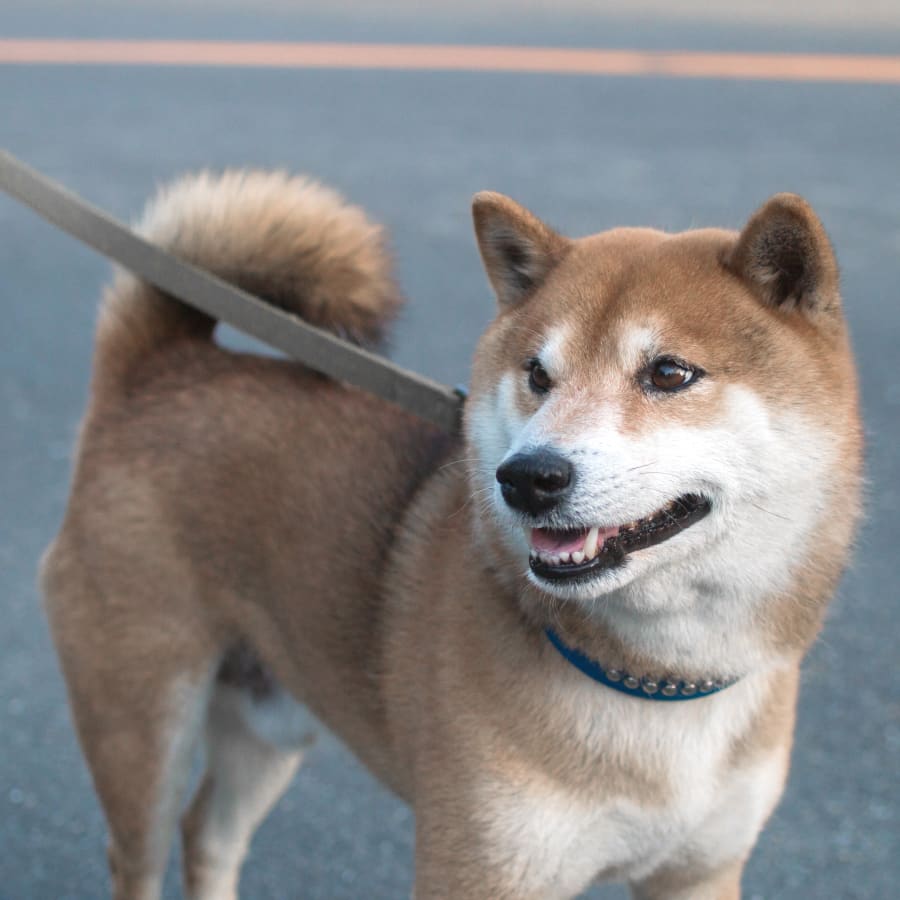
x,y
645,688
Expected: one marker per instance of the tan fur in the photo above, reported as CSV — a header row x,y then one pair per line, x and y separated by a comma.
x,y
224,501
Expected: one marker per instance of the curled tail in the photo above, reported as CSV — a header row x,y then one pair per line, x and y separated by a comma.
x,y
291,241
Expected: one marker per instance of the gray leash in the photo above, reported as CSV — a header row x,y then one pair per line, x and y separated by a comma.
x,y
315,348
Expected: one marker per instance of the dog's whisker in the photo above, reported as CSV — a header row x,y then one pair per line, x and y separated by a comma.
x,y
641,466
458,462
769,512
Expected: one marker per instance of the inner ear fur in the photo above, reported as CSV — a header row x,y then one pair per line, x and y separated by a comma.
x,y
785,256
517,248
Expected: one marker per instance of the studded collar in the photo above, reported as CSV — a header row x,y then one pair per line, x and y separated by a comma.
x,y
643,688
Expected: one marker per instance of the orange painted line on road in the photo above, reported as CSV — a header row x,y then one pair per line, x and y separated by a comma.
x,y
445,57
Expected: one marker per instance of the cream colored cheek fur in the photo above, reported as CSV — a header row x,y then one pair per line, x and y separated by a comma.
x,y
712,580
767,506
766,497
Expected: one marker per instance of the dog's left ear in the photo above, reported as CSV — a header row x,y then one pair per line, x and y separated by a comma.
x,y
518,249
784,255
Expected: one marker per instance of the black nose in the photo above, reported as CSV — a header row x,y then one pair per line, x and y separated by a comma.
x,y
535,482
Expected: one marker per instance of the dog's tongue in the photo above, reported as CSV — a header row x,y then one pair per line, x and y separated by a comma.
x,y
548,541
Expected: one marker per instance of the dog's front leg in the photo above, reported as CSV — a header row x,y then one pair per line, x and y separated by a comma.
x,y
467,878
689,883
457,858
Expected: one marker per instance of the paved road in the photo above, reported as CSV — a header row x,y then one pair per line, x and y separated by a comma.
x,y
585,153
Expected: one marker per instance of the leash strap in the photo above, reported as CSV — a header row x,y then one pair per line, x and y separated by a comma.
x,y
318,349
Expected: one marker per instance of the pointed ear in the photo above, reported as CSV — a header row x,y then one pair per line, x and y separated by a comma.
x,y
517,248
785,256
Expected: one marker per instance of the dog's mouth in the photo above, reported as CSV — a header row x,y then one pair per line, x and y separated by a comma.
x,y
558,554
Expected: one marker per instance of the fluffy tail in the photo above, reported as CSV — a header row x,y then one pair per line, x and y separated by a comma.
x,y
289,240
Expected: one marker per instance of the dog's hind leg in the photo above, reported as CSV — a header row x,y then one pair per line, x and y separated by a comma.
x,y
141,774
246,773
139,672
138,729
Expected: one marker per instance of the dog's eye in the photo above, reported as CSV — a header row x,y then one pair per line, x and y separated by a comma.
x,y
667,374
538,379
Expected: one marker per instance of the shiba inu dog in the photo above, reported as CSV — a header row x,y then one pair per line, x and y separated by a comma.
x,y
652,501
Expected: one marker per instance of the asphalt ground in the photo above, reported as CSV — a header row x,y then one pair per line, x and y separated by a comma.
x,y
585,153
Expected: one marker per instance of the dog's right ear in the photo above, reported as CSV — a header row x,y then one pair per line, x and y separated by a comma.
x,y
517,248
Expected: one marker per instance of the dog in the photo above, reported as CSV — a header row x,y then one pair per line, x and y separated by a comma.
x,y
652,500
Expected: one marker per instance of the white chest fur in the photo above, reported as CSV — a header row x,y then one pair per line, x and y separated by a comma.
x,y
553,841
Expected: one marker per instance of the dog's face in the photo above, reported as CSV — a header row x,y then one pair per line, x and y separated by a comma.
x,y
650,403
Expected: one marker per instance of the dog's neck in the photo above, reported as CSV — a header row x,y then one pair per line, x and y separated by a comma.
x,y
691,644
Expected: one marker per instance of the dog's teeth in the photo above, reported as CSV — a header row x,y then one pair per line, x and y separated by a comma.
x,y
564,557
553,560
590,544
577,557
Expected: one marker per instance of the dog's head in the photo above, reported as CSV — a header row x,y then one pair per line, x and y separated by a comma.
x,y
650,409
